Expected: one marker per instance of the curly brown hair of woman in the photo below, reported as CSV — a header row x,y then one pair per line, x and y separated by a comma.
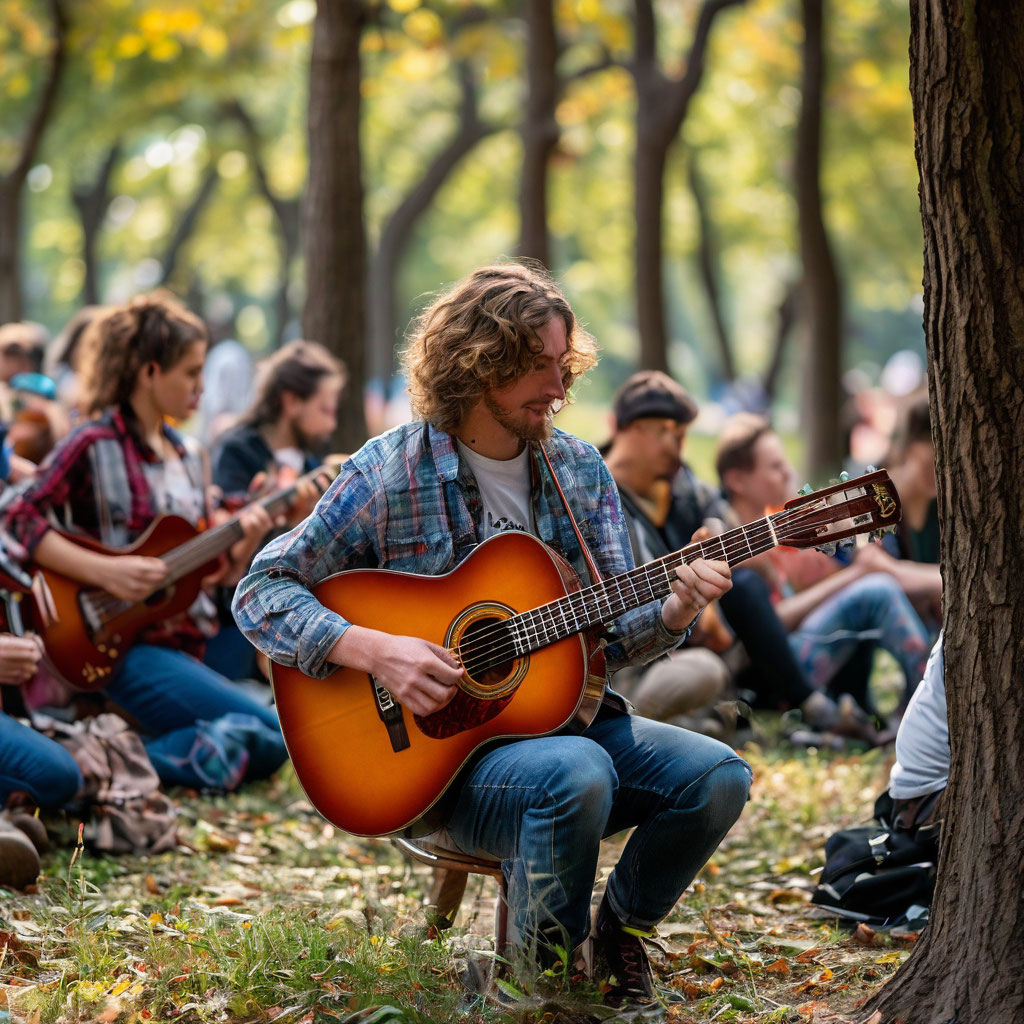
x,y
482,334
116,347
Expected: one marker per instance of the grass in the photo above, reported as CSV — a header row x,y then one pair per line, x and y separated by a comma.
x,y
268,914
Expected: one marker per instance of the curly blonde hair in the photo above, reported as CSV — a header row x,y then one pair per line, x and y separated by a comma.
x,y
117,346
482,334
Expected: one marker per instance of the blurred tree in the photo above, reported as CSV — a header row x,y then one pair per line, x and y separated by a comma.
x,y
662,103
91,200
820,298
395,233
539,128
287,216
967,83
12,182
708,262
335,238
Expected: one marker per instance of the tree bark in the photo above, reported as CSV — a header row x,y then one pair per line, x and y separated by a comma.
x,y
12,184
399,226
91,202
539,129
820,297
334,312
662,105
967,85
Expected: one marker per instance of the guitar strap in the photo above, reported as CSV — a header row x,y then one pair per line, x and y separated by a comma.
x,y
595,573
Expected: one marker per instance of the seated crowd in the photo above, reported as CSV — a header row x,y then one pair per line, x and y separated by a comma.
x,y
94,455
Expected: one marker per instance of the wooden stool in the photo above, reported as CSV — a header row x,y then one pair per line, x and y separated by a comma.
x,y
451,870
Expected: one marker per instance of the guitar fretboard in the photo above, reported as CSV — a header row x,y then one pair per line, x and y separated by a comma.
x,y
607,600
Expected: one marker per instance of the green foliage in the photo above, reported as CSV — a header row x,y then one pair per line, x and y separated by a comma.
x,y
155,76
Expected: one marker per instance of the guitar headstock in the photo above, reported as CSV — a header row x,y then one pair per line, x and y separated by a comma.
x,y
865,504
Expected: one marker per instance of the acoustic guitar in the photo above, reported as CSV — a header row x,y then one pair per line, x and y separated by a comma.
x,y
86,631
527,634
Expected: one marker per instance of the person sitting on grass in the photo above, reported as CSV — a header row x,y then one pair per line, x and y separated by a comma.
x,y
109,479
836,616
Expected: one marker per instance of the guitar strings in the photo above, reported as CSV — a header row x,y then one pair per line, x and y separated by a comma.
x,y
480,654
483,651
189,556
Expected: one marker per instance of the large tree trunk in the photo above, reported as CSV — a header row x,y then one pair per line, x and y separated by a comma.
x,y
539,129
820,298
967,84
12,184
335,234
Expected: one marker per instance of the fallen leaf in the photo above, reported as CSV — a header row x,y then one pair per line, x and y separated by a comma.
x,y
777,966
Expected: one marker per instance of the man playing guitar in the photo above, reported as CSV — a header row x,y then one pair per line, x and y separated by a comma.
x,y
488,364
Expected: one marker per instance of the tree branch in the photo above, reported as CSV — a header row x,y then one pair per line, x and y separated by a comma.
x,y
47,98
707,262
187,223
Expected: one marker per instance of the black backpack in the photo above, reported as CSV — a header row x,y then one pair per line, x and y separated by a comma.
x,y
881,874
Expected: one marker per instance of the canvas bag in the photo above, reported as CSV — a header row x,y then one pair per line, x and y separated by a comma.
x,y
120,789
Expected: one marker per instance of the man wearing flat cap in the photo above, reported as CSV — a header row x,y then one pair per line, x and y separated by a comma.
x,y
666,507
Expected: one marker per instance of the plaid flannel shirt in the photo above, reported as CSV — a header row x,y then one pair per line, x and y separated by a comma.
x,y
405,501
95,482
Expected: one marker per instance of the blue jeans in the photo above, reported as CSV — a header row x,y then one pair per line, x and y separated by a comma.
x,y
872,610
35,764
543,805
168,692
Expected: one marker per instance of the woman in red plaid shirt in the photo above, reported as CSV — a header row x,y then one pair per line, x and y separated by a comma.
x,y
109,479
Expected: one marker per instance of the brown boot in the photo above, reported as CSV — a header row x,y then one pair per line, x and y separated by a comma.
x,y
19,859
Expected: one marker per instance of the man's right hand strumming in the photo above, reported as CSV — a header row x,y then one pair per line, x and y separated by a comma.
x,y
420,675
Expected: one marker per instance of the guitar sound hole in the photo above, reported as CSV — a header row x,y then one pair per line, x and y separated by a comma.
x,y
482,644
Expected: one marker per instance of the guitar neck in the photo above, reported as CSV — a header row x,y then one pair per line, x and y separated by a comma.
x,y
208,545
605,601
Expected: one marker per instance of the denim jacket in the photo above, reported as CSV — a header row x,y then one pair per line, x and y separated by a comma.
x,y
405,501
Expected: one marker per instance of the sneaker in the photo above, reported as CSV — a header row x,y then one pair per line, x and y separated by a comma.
x,y
819,711
620,960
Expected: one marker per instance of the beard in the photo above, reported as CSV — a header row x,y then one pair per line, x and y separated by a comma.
x,y
519,426
315,445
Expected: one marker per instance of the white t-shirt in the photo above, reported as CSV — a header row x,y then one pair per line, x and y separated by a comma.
x,y
922,743
504,490
291,458
174,493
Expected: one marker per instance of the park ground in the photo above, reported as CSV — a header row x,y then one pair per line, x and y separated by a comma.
x,y
266,913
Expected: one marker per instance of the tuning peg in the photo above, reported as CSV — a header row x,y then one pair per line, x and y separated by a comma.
x,y
843,477
829,548
806,489
872,469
